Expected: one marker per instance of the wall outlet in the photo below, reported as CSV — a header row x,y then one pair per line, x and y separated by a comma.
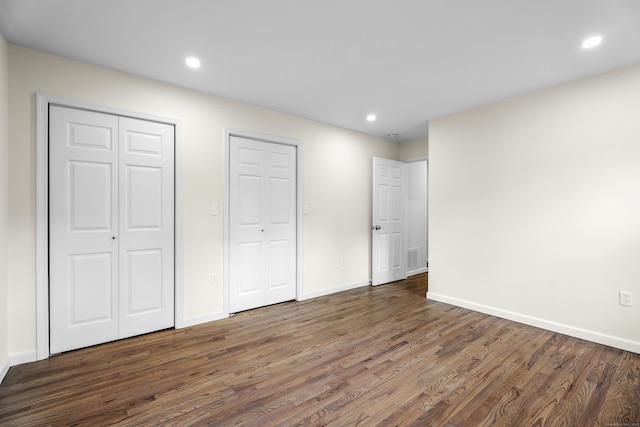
x,y
626,299
214,279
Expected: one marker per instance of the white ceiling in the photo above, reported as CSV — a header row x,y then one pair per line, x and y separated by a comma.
x,y
335,61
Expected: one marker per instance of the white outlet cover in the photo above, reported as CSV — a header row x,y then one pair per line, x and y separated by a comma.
x,y
626,299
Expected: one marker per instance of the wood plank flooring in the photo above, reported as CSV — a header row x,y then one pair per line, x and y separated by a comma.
x,y
366,357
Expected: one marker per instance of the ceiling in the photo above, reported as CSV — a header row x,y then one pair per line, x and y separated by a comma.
x,y
336,61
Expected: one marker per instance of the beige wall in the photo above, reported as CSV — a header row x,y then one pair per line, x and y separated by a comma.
x,y
417,148
4,207
535,208
336,179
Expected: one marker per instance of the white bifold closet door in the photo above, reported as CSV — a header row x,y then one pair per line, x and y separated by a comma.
x,y
111,227
262,215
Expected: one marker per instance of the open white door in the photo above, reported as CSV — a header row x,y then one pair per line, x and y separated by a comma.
x,y
389,252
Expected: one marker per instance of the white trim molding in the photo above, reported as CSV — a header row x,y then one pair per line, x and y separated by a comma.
x,y
4,368
23,357
43,101
340,288
418,271
597,337
198,320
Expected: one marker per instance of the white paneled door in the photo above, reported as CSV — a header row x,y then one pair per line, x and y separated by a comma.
x,y
389,252
111,243
262,211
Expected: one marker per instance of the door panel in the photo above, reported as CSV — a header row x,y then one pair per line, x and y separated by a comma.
x,y
146,238
143,144
83,219
281,223
145,281
388,262
250,279
278,264
145,193
383,202
90,196
262,223
249,208
247,224
279,206
383,251
90,281
247,280
396,250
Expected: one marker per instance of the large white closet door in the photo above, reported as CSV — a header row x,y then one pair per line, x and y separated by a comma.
x,y
111,198
146,298
262,223
83,227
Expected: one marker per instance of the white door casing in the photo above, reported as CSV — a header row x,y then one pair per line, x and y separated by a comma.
x,y
388,255
263,223
111,224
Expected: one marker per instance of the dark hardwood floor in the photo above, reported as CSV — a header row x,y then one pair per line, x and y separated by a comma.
x,y
371,356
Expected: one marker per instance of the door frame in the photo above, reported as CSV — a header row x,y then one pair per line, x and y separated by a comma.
x,y
228,133
43,101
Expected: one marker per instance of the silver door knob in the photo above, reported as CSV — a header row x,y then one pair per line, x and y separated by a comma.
x,y
376,227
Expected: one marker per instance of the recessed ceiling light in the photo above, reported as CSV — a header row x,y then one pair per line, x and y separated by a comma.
x,y
193,62
371,118
592,42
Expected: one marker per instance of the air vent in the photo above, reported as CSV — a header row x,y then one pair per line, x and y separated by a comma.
x,y
412,259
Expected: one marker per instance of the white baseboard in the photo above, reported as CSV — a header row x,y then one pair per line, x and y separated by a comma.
x,y
324,292
23,357
197,320
418,271
4,368
593,336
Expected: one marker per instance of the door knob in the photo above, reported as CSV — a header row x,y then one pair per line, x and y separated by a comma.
x,y
376,227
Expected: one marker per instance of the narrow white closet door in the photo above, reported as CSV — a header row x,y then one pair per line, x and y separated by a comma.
x,y
280,223
83,224
247,221
146,237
